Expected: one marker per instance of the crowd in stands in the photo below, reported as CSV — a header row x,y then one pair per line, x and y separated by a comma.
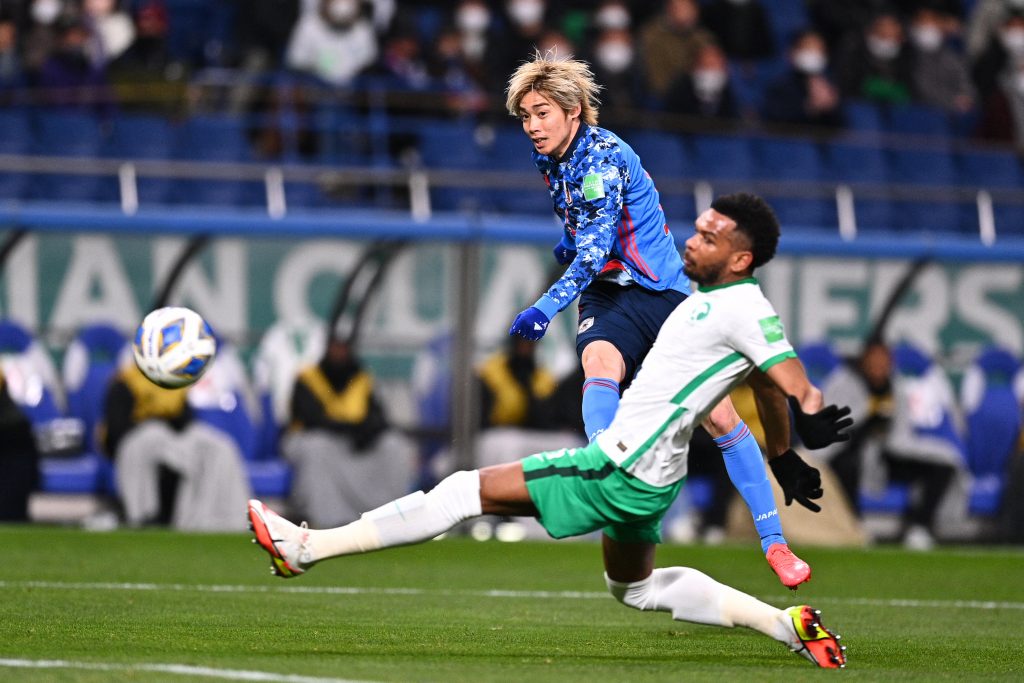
x,y
698,62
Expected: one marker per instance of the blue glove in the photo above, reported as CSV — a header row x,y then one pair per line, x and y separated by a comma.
x,y
530,324
564,252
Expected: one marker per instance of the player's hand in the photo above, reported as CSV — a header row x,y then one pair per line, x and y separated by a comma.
x,y
822,428
530,324
564,252
799,481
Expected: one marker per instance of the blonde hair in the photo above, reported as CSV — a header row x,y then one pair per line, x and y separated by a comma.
x,y
566,82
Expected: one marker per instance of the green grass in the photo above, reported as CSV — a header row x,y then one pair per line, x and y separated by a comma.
x,y
209,601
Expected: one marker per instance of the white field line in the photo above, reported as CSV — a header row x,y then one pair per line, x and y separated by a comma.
x,y
543,595
181,669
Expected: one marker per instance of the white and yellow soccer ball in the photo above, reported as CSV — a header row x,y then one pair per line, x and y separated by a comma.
x,y
174,346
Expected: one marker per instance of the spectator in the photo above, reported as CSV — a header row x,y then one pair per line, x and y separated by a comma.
x,y
837,21
705,92
1002,115
527,21
984,23
902,433
18,457
112,30
12,73
938,73
171,469
615,65
874,64
741,27
998,58
345,456
40,35
333,42
263,31
513,387
670,43
804,95
69,78
144,77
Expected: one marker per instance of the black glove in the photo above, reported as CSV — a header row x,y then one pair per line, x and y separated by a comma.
x,y
822,428
799,481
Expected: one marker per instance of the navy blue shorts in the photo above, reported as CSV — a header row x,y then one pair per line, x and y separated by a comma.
x,y
629,317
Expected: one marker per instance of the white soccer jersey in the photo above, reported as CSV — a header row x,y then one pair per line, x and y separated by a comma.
x,y
706,347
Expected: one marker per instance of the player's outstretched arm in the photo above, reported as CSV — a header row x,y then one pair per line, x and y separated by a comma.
x,y
817,426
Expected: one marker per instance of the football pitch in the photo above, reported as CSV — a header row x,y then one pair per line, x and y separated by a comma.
x,y
161,606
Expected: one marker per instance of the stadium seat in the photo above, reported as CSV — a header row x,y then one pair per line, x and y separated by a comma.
x,y
996,172
453,145
70,134
798,161
992,409
15,138
148,138
856,162
92,358
719,157
786,18
510,150
820,360
216,139
916,119
223,398
863,117
667,159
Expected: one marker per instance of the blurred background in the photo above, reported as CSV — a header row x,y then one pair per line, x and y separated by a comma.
x,y
336,187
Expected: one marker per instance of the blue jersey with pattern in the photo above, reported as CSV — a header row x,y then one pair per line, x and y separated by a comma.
x,y
611,210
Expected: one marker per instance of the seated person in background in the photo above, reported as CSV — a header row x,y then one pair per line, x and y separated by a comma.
x,y
345,457
888,443
704,92
513,386
19,459
170,468
875,64
939,73
805,94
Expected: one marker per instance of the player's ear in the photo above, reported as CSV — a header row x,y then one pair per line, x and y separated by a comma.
x,y
742,261
575,112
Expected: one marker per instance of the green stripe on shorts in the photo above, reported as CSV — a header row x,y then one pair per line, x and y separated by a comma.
x,y
580,490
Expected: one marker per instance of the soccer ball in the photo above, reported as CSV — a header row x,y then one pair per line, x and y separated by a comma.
x,y
173,347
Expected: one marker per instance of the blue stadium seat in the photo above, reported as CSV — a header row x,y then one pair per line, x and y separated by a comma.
x,y
70,134
90,361
794,160
269,477
510,151
998,171
718,157
15,138
452,145
863,117
820,360
917,119
927,167
786,18
667,159
219,139
148,138
851,162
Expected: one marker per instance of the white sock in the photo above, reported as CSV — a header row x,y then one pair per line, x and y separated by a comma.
x,y
411,519
690,595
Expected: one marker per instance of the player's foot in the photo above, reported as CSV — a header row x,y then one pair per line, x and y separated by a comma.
x,y
792,571
814,641
287,544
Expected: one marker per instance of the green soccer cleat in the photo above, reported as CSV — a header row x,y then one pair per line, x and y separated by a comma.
x,y
286,543
814,641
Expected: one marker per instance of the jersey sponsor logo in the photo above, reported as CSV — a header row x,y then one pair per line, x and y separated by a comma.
x,y
585,325
772,329
702,311
593,186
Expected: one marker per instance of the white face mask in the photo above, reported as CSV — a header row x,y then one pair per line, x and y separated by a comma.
x,y
709,81
883,48
342,11
927,38
46,11
526,12
612,16
810,61
473,19
1013,40
615,57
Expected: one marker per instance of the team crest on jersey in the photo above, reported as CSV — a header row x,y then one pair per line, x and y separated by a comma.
x,y
700,312
585,325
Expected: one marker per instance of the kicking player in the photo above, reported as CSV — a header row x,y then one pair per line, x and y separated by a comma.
x,y
625,268
624,481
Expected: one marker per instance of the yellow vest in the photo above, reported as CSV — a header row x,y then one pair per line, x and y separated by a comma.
x,y
350,404
152,401
511,402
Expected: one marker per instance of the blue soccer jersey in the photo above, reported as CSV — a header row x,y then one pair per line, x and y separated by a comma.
x,y
611,210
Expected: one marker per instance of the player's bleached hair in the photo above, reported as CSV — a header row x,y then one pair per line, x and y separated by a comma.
x,y
566,82
755,219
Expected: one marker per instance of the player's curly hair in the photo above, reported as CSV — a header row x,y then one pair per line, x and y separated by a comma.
x,y
755,219
566,82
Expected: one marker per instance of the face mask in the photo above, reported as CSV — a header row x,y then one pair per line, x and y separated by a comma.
x,y
45,11
342,11
615,57
883,48
926,38
473,19
709,81
612,16
526,12
1013,40
810,61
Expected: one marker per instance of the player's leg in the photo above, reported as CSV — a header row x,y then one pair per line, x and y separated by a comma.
x,y
411,519
603,369
745,464
691,595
